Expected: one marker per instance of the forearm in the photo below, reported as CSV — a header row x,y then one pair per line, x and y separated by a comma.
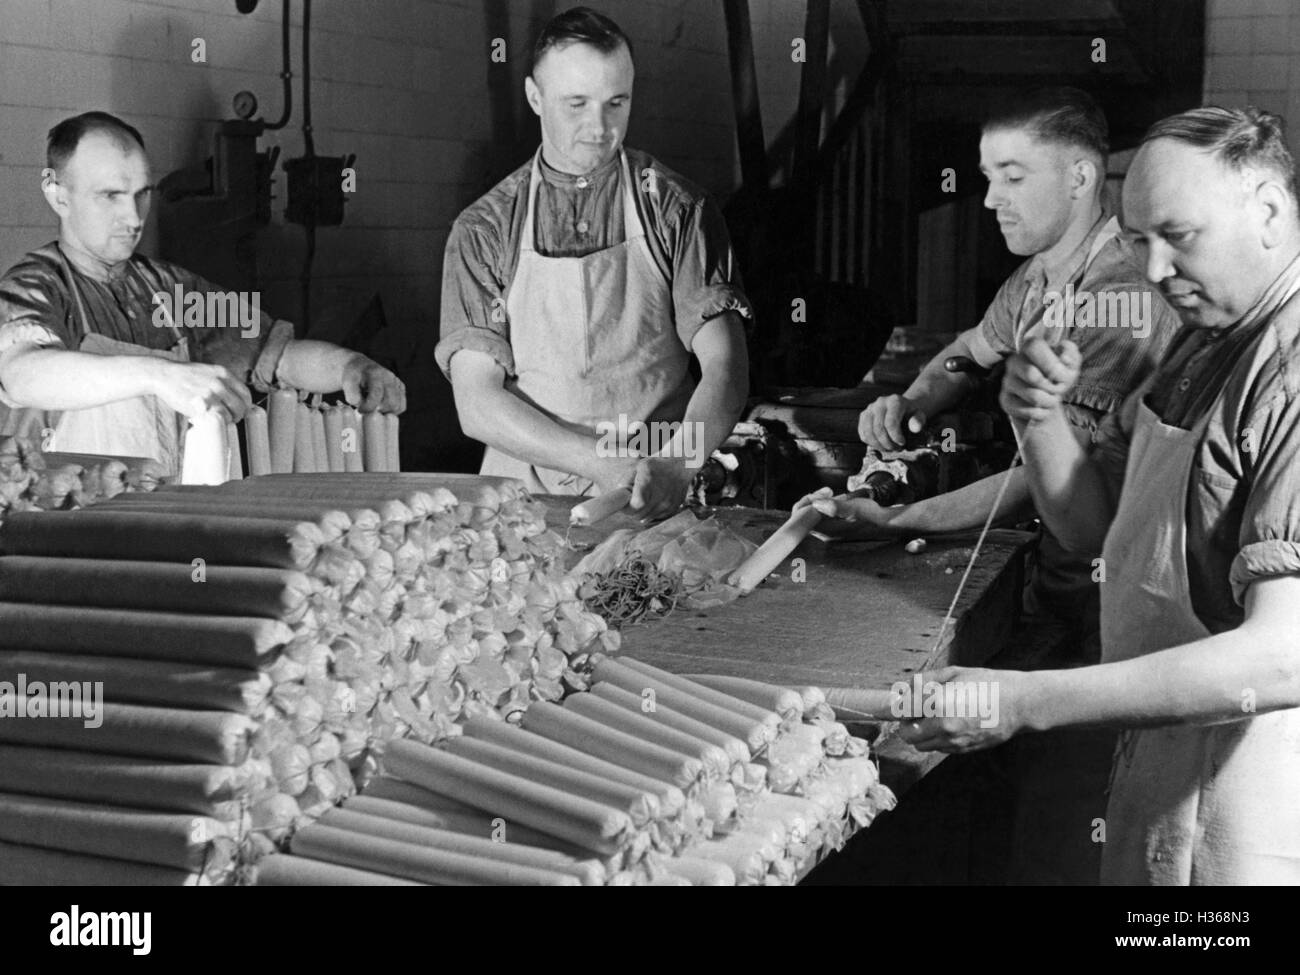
x,y
1068,490
1221,678
500,419
315,367
61,379
968,507
936,389
713,410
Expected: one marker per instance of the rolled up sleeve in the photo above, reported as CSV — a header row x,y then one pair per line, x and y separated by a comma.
x,y
1270,526
706,280
994,338
473,314
31,313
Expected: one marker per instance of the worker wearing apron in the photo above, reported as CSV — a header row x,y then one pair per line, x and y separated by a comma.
x,y
137,427
577,291
593,338
78,314
1200,572
1188,804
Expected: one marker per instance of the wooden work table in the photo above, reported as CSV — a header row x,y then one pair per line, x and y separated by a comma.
x,y
865,616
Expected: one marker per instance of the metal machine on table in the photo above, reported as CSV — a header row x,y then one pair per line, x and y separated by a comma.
x,y
795,440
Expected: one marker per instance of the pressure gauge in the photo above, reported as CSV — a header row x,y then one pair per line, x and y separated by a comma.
x,y
245,103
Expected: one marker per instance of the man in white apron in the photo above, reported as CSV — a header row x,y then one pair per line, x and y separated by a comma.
x,y
576,291
1201,596
91,361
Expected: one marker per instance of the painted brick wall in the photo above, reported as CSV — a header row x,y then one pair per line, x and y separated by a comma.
x,y
1252,57
407,85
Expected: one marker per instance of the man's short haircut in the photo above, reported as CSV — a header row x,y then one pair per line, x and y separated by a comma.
x,y
1241,138
1059,115
579,25
64,138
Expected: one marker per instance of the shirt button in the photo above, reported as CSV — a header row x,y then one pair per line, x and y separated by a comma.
x,y
1184,384
581,182
583,226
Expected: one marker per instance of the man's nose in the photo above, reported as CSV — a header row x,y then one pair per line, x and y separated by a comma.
x,y
1159,263
993,197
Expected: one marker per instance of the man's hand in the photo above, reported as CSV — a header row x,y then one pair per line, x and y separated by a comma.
x,y
658,484
852,518
996,702
886,423
192,388
369,386
1037,379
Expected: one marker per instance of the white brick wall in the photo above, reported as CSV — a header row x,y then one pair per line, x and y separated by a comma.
x,y
1252,57
402,83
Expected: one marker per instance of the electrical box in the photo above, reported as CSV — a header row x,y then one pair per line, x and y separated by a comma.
x,y
315,189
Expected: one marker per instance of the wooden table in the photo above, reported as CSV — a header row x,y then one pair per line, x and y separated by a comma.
x,y
864,616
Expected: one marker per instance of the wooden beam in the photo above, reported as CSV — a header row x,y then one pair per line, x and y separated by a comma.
x,y
744,95
981,59
812,89
907,15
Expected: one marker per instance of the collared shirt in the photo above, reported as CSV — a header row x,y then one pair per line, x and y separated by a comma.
x,y
1243,502
576,216
1119,346
37,306
1121,323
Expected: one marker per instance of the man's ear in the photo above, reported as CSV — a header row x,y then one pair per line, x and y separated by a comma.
x,y
534,95
1086,177
1279,213
50,188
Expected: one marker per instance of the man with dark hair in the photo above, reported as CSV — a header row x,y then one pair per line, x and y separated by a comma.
x,y
64,138
1192,488
88,364
576,291
1044,155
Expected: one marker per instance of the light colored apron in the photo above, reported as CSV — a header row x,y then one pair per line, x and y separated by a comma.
x,y
1217,804
139,427
593,337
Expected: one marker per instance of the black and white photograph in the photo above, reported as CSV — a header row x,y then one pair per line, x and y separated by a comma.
x,y
843,443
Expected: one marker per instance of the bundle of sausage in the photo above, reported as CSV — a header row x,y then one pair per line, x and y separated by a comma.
x,y
33,481
593,792
255,641
289,436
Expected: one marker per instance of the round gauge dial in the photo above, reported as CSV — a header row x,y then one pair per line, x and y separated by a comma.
x,y
245,104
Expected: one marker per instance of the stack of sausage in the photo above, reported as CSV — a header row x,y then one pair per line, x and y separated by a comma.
x,y
255,643
289,436
595,791
33,481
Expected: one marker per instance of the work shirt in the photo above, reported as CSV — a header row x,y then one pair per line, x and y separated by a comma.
x,y
1243,504
1122,326
577,216
37,306
1119,349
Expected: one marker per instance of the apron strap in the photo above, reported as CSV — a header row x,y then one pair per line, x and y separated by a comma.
x,y
79,315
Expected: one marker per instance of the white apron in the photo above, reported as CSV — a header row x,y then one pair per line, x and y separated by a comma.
x,y
593,337
1216,804
139,427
